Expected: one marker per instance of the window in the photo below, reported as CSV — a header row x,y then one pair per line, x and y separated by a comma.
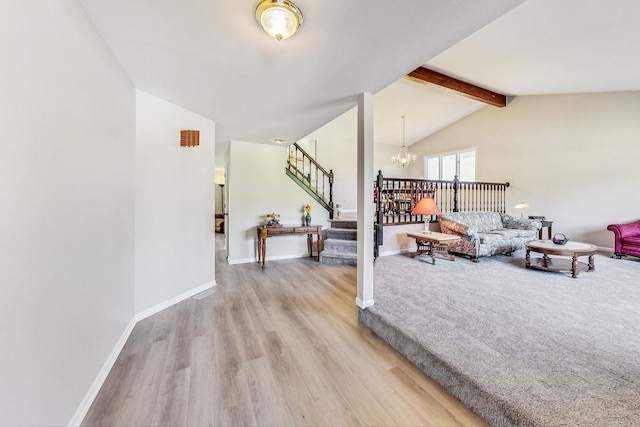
x,y
446,166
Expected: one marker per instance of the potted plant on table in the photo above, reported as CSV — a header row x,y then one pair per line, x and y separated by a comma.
x,y
274,220
307,218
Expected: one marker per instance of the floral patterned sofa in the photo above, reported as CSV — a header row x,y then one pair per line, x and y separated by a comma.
x,y
488,233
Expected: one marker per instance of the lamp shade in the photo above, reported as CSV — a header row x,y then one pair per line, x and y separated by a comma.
x,y
426,206
522,206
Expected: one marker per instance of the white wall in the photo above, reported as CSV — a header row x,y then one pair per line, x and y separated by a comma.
x,y
338,150
572,158
382,161
258,185
67,120
174,203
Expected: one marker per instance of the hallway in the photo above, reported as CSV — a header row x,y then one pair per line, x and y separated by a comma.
x,y
279,346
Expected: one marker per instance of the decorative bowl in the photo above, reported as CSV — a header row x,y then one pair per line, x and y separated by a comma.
x,y
559,239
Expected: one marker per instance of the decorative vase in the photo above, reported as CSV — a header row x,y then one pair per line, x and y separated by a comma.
x,y
307,219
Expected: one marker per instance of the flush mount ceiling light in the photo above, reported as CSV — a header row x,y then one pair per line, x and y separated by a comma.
x,y
280,18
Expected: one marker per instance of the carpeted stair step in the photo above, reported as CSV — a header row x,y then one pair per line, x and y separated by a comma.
x,y
341,246
344,223
338,258
342,233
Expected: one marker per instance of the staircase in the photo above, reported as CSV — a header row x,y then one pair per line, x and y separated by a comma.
x,y
310,176
341,246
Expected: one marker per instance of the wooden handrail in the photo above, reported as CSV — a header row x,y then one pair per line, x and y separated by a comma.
x,y
311,159
317,187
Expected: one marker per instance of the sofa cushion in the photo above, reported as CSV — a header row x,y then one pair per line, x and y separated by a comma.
x,y
480,221
509,221
510,233
452,227
487,238
631,240
629,230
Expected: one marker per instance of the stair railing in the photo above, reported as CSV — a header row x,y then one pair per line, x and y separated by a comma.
x,y
395,198
312,177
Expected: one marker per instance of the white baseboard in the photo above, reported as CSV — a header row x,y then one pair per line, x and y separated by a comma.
x,y
241,261
172,301
395,252
270,258
86,403
364,304
608,251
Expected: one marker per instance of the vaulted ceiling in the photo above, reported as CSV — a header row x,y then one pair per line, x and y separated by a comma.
x,y
211,57
540,47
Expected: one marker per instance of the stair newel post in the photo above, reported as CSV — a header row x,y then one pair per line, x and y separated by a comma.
x,y
378,238
456,186
331,193
504,197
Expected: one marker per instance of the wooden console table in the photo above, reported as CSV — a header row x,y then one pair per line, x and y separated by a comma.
x,y
264,232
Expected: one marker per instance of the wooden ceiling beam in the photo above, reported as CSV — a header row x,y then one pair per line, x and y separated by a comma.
x,y
424,75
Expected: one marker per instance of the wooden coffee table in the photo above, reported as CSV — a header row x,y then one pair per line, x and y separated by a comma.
x,y
432,243
570,249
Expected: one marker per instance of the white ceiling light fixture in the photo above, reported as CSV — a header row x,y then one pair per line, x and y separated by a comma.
x,y
403,158
279,18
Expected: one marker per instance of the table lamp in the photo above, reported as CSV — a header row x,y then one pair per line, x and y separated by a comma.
x,y
522,206
426,206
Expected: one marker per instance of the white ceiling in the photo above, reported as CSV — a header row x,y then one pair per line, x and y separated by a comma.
x,y
540,47
427,109
551,47
211,57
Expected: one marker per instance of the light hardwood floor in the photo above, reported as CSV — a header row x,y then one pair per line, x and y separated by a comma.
x,y
279,347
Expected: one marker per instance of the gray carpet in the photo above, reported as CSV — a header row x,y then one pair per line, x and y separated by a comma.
x,y
518,346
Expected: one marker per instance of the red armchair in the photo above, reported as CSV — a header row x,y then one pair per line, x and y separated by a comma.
x,y
627,239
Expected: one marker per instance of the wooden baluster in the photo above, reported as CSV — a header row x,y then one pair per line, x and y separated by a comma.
x,y
456,185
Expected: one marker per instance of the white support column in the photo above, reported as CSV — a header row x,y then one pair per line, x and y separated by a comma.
x,y
213,237
364,296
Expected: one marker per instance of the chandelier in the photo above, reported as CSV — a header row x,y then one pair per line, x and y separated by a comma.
x,y
403,157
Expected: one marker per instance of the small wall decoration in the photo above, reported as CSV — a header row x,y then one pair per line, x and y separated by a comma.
x,y
189,138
